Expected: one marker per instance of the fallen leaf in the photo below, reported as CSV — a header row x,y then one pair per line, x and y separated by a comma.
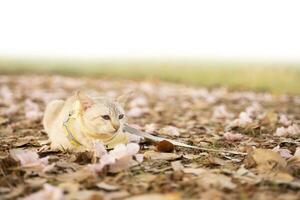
x,y
153,155
221,181
194,171
107,187
265,160
49,192
3,120
216,161
165,146
16,191
293,164
168,196
77,176
70,187
36,182
177,166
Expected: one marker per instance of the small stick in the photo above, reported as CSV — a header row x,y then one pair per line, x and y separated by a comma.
x,y
134,131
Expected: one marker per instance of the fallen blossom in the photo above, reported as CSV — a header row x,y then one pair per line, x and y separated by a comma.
x,y
285,153
49,192
233,136
12,109
139,157
6,94
291,130
280,132
284,120
118,159
31,160
253,109
243,120
138,102
220,112
99,149
32,110
135,112
150,128
170,130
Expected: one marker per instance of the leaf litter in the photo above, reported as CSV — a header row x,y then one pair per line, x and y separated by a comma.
x,y
262,127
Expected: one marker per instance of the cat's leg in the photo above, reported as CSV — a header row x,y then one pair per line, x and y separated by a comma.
x,y
51,113
54,131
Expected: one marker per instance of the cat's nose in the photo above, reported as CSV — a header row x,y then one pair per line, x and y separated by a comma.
x,y
116,126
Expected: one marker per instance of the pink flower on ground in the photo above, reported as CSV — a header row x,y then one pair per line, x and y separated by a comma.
x,y
285,153
30,160
233,136
291,130
220,112
243,120
118,159
32,110
170,130
284,120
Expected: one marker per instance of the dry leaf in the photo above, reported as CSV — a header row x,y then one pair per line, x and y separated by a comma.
x,y
209,180
49,192
3,120
195,171
153,155
165,146
177,166
107,187
168,196
265,160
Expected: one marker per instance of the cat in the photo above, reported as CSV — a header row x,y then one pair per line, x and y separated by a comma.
x,y
79,121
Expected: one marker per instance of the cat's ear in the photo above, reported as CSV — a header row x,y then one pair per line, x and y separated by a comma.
x,y
85,101
123,99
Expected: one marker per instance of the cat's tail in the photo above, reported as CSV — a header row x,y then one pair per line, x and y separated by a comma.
x,y
51,113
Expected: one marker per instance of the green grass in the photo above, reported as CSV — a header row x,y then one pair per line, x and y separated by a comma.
x,y
276,78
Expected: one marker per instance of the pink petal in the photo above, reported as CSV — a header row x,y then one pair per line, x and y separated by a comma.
x,y
233,136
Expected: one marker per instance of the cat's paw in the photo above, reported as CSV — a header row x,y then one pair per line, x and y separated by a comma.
x,y
134,138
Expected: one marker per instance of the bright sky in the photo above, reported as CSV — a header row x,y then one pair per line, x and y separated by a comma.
x,y
231,29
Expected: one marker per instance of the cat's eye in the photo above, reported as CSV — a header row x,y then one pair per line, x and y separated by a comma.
x,y
121,116
106,117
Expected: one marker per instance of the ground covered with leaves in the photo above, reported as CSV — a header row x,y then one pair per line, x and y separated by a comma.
x,y
262,128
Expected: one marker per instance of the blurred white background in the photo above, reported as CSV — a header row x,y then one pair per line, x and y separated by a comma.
x,y
232,29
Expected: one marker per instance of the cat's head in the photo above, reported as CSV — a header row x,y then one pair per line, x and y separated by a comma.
x,y
102,115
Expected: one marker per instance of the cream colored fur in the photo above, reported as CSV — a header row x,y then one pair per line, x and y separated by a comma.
x,y
94,109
